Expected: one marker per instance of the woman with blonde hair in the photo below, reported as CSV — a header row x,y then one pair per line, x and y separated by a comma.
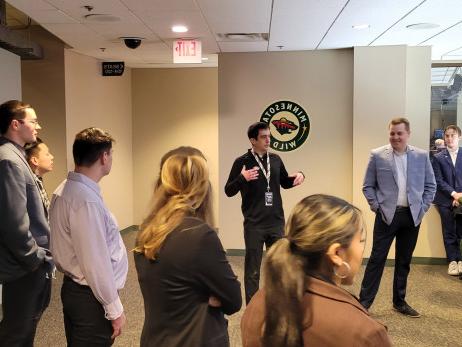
x,y
302,303
185,278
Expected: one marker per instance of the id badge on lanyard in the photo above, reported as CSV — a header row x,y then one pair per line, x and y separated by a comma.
x,y
268,193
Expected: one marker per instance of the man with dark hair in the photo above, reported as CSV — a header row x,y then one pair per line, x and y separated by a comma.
x,y
40,161
447,166
88,247
25,261
399,186
261,199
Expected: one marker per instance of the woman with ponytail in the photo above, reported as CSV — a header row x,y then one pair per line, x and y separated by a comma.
x,y
302,303
185,278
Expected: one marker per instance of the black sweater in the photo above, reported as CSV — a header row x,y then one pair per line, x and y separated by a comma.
x,y
256,214
190,267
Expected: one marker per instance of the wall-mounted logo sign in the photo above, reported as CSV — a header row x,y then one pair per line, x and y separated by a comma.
x,y
114,68
289,125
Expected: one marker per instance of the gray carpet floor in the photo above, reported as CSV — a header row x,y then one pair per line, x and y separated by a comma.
x,y
431,291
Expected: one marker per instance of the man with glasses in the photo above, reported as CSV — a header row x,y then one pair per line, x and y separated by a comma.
x,y
25,261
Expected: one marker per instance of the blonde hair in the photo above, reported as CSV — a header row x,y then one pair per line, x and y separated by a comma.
x,y
316,222
184,190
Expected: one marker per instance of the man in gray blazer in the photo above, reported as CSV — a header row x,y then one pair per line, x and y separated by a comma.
x,y
25,262
399,186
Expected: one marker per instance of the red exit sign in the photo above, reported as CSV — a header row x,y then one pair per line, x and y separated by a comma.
x,y
187,52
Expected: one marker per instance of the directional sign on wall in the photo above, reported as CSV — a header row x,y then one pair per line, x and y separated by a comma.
x,y
113,68
187,52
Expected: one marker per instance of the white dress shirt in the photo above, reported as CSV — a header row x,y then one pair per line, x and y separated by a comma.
x,y
453,155
401,172
86,242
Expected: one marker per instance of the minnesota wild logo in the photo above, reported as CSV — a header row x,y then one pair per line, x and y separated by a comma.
x,y
289,125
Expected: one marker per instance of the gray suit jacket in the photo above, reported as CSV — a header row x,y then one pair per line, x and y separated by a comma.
x,y
24,230
380,185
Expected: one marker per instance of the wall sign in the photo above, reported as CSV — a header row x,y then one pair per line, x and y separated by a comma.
x,y
115,68
187,52
289,125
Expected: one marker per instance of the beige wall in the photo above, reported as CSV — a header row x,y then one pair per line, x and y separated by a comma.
x,y
104,102
319,81
171,108
10,72
43,88
392,81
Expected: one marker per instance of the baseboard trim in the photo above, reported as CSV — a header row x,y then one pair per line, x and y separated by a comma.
x,y
129,229
233,252
416,260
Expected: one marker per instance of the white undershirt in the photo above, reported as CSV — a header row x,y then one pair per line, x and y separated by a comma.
x,y
401,171
453,155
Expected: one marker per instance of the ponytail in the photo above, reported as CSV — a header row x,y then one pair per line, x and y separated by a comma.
x,y
284,286
316,222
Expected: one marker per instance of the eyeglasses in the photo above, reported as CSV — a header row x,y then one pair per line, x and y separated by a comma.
x,y
34,122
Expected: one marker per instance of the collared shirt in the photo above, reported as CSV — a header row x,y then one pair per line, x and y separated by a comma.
x,y
401,171
453,155
43,193
86,242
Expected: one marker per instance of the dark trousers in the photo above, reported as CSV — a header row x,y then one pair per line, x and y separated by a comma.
x,y
452,233
254,241
402,227
84,320
23,302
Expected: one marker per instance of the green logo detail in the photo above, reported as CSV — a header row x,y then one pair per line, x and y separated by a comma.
x,y
289,125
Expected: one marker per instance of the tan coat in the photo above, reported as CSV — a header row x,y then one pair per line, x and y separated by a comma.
x,y
333,318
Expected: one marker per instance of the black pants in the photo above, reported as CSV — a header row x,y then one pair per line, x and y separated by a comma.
x,y
452,233
254,241
84,320
402,227
23,302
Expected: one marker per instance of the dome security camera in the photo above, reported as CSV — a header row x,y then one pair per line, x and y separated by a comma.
x,y
132,42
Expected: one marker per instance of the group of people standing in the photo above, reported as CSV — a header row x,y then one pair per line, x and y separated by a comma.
x,y
85,242
187,283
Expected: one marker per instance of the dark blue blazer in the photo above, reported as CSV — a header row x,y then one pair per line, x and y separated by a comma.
x,y
448,178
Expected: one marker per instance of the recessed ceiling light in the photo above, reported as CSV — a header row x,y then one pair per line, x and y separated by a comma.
x,y
205,59
360,26
422,26
179,29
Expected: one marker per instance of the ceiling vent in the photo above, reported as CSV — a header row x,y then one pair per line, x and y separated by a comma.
x,y
102,18
242,37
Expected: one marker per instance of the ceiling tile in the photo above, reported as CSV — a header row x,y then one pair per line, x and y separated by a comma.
x,y
301,24
379,14
237,16
29,7
260,46
445,13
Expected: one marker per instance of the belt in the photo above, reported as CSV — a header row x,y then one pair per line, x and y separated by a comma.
x,y
402,208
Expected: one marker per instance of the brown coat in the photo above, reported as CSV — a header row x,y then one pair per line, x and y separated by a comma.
x,y
333,318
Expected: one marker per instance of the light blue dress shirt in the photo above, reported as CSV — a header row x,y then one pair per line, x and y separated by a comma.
x,y
86,243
